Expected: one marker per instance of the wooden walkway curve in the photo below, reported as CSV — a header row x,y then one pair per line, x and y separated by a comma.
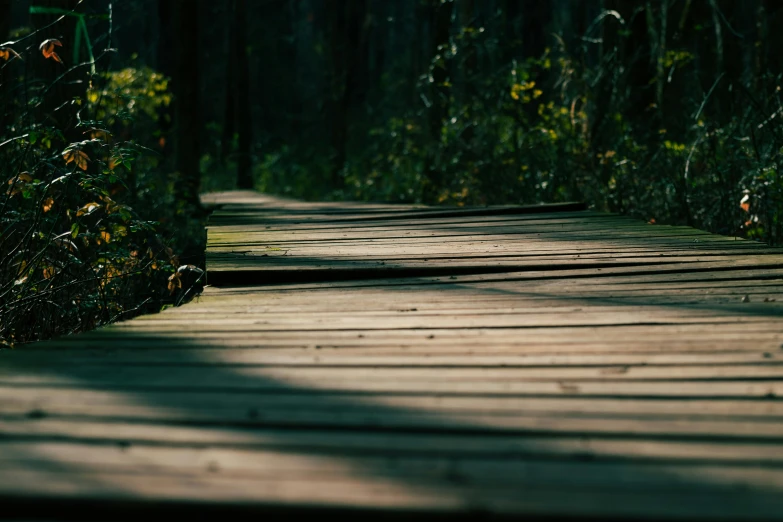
x,y
375,360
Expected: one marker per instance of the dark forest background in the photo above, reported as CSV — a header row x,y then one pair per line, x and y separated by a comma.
x,y
668,110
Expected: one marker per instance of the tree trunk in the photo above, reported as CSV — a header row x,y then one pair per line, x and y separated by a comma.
x,y
772,57
5,74
187,102
5,19
165,65
536,19
348,42
230,107
243,106
467,15
338,120
421,48
511,37
58,86
440,27
634,53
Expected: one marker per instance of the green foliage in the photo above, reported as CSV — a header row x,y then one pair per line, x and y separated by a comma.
x,y
567,125
90,219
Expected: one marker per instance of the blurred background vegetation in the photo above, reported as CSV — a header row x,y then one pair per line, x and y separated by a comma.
x,y
668,110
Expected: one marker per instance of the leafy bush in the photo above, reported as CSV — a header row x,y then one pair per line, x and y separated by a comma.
x,y
568,125
78,243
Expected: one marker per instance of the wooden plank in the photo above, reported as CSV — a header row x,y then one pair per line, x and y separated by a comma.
x,y
478,353
307,492
138,433
241,379
265,465
418,356
79,401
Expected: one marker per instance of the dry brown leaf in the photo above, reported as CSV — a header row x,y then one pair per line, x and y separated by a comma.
x,y
76,156
745,203
66,243
47,49
17,181
99,134
48,272
6,53
48,204
175,281
24,177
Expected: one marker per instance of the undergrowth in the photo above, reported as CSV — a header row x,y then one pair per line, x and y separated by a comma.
x,y
90,221
572,124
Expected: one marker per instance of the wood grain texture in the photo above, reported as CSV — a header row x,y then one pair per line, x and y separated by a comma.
x,y
404,361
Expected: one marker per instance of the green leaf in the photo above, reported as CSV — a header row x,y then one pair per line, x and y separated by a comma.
x,y
74,230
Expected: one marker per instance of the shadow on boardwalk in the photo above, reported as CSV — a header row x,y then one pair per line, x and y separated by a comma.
x,y
437,460
180,415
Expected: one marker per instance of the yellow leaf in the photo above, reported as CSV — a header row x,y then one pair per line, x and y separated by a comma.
x,y
48,272
48,204
22,267
89,208
105,236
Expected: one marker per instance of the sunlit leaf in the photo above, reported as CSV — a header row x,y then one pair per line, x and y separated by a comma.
x,y
113,162
175,281
66,243
18,184
88,209
47,49
76,156
6,53
24,177
48,204
100,134
745,203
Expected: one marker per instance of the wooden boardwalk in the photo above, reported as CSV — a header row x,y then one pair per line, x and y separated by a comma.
x,y
375,360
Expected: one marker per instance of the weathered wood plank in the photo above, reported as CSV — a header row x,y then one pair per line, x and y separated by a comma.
x,y
408,359
128,433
